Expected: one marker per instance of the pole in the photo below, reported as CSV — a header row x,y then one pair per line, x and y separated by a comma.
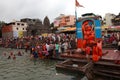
x,y
75,12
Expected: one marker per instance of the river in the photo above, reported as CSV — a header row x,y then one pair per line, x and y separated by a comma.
x,y
23,68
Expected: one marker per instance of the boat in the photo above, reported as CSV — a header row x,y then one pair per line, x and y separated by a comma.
x,y
72,65
108,69
78,63
90,69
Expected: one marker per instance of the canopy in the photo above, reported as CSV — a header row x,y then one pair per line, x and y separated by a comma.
x,y
69,29
114,28
117,27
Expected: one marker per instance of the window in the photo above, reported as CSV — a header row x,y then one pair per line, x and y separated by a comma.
x,y
67,20
13,23
22,24
17,28
18,23
29,19
33,20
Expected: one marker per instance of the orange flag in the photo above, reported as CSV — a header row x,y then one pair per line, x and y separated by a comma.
x,y
77,4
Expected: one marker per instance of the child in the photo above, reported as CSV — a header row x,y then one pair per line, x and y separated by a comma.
x,y
19,53
14,57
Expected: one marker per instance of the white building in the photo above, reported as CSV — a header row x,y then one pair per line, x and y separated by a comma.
x,y
14,29
108,19
19,29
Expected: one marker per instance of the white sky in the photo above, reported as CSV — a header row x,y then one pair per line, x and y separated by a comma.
x,y
17,9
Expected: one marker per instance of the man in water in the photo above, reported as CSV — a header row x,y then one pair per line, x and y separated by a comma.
x,y
35,56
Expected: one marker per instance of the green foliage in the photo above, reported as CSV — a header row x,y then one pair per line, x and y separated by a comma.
x,y
51,25
1,24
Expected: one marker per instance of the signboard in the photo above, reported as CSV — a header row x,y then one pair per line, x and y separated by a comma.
x,y
15,34
20,34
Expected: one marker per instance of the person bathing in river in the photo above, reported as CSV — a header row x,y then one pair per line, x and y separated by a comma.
x,y
19,53
34,55
26,46
9,57
14,57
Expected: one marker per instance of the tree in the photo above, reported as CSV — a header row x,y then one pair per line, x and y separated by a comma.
x,y
52,25
1,24
33,32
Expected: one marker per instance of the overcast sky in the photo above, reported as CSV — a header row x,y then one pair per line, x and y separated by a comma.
x,y
17,9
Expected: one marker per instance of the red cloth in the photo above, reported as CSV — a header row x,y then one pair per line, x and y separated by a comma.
x,y
87,50
40,54
95,58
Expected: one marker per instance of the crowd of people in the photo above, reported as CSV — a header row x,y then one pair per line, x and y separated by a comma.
x,y
112,39
53,45
42,46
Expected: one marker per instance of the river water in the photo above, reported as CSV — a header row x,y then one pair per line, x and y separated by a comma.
x,y
23,68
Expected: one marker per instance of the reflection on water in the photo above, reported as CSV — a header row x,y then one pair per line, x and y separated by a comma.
x,y
24,69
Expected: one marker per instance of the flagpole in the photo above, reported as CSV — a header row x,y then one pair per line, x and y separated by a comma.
x,y
78,27
76,17
75,12
77,5
76,21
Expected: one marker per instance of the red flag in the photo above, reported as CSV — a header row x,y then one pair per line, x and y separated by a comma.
x,y
77,4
